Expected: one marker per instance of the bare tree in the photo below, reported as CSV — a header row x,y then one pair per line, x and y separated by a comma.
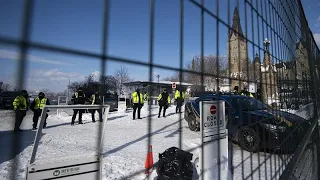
x,y
45,91
213,65
122,76
74,86
210,66
175,77
4,87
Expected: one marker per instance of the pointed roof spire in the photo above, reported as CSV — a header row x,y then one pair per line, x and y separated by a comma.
x,y
256,59
303,25
236,26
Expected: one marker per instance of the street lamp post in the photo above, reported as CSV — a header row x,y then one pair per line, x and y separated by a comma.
x,y
266,43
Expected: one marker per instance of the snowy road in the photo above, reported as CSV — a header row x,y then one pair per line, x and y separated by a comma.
x,y
125,145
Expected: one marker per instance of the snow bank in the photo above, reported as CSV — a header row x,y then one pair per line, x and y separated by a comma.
x,y
305,111
125,144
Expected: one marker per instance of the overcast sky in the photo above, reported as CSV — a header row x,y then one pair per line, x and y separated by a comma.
x,y
77,24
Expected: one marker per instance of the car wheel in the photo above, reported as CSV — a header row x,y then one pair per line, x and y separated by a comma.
x,y
249,139
193,123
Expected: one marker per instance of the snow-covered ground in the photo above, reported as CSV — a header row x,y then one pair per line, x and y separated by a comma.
x,y
125,144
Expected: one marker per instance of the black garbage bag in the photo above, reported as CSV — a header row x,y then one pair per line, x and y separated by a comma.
x,y
175,164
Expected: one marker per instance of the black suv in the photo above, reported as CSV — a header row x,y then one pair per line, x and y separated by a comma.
x,y
7,98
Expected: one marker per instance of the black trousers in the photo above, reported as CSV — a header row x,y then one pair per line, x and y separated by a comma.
x,y
137,106
179,104
100,114
20,114
75,112
36,115
164,110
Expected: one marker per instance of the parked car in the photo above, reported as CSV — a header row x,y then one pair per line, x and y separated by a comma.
x,y
7,98
112,100
253,124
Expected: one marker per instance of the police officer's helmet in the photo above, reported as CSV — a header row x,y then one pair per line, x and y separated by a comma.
x,y
80,89
41,94
24,92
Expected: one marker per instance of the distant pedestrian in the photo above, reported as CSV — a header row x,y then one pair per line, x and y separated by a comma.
x,y
20,105
96,100
179,98
236,90
137,99
245,92
164,101
37,106
78,98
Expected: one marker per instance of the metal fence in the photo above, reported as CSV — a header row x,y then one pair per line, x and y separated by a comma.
x,y
270,47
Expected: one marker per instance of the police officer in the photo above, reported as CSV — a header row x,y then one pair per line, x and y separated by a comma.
x,y
20,105
137,99
96,100
37,106
164,101
78,98
245,92
146,96
236,90
179,98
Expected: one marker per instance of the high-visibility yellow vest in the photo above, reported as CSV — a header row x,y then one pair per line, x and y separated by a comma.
x,y
77,95
135,98
39,104
160,96
146,97
177,94
93,98
18,101
250,95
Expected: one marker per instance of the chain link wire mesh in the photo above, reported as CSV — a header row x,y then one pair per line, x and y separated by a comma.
x,y
271,56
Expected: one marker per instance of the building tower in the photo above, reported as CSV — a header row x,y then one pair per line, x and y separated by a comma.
x,y
237,46
269,82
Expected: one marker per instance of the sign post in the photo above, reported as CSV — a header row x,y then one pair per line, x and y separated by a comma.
x,y
215,140
62,100
122,105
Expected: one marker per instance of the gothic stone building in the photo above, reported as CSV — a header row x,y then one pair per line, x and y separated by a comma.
x,y
242,69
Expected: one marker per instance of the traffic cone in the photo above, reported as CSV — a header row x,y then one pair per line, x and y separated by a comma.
x,y
149,161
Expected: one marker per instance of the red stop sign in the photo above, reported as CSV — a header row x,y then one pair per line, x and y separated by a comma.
x,y
213,109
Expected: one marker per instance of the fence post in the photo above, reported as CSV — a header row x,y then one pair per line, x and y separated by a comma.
x,y
317,142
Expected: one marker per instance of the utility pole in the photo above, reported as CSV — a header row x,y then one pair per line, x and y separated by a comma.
x,y
68,89
158,76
